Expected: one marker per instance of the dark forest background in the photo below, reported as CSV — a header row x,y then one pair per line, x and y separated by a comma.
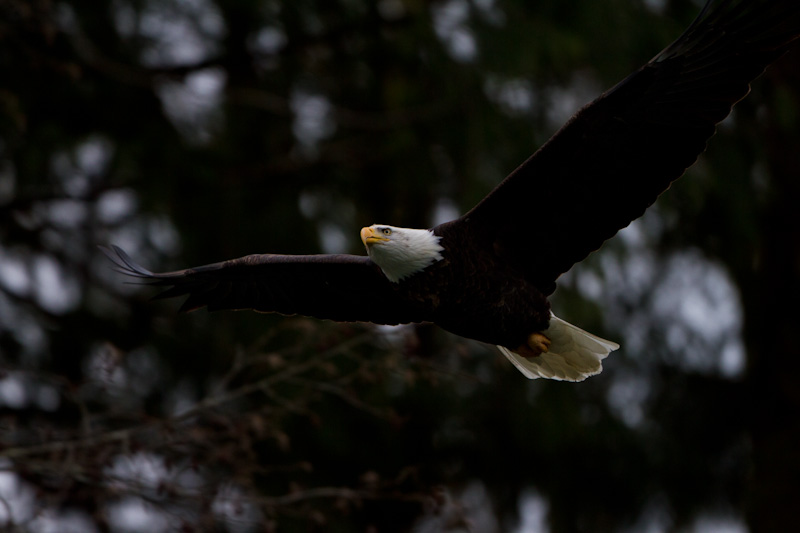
x,y
191,131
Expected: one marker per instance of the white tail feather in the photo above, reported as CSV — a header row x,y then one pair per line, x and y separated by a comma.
x,y
574,354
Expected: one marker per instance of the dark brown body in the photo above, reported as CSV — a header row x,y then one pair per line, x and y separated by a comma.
x,y
499,306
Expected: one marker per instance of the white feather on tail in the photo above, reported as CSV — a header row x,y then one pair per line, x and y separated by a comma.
x,y
574,354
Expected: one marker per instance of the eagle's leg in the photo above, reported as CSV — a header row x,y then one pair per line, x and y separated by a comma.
x,y
536,345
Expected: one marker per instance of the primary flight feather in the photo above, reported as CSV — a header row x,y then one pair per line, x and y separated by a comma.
x,y
487,274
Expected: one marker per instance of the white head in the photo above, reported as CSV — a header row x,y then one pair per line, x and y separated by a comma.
x,y
401,252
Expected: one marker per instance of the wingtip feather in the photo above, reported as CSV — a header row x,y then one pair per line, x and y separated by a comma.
x,y
124,263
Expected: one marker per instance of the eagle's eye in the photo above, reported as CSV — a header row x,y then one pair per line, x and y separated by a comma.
x,y
386,231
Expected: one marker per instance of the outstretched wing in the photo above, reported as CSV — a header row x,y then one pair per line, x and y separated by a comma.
x,y
345,288
615,156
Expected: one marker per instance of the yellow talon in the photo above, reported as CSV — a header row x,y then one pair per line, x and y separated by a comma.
x,y
537,345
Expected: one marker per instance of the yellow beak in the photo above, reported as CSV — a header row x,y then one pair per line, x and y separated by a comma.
x,y
368,236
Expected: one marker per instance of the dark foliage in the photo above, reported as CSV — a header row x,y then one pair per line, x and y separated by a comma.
x,y
192,132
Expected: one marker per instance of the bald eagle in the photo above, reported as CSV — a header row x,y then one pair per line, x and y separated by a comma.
x,y
487,275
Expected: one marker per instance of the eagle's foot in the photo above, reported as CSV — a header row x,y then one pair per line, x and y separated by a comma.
x,y
536,345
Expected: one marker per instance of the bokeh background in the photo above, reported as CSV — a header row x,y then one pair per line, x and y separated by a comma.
x,y
192,131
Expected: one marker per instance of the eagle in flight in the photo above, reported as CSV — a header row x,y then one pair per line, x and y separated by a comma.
x,y
487,275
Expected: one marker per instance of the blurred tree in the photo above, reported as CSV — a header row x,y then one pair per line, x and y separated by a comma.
x,y
190,132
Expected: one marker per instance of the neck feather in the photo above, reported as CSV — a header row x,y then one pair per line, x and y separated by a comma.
x,y
410,251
